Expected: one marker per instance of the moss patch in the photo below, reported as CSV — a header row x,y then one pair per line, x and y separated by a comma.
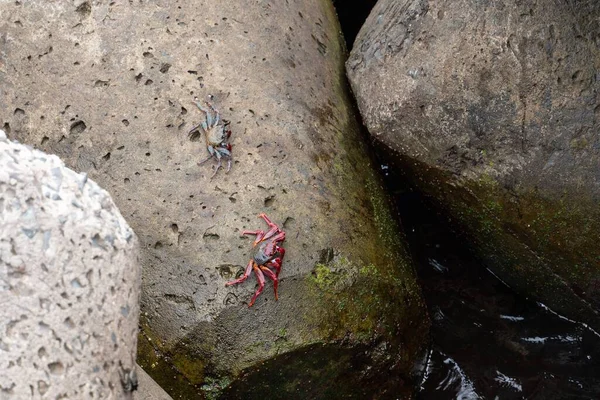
x,y
213,387
322,276
191,368
172,370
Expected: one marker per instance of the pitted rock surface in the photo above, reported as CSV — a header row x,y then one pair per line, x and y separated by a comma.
x,y
109,86
69,282
491,109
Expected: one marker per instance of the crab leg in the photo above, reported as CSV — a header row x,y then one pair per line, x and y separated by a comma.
x,y
203,161
275,263
211,153
279,237
267,220
273,277
216,169
273,228
261,284
218,155
259,235
209,120
243,277
201,124
281,250
256,232
226,152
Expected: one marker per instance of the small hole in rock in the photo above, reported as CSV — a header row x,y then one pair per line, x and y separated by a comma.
x,y
69,323
164,67
289,222
210,236
269,201
42,352
43,387
77,127
56,368
101,83
84,9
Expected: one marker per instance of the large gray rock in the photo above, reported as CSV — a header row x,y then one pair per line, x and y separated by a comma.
x,y
69,283
492,109
109,86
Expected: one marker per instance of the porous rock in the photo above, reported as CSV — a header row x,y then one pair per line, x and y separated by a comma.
x,y
491,108
110,87
69,283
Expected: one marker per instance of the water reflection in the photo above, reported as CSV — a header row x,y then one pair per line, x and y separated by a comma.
x,y
488,342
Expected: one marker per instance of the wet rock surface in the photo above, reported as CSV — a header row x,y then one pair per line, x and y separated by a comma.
x,y
110,87
70,283
491,110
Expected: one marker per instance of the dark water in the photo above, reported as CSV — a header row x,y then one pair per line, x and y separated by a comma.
x,y
352,14
487,341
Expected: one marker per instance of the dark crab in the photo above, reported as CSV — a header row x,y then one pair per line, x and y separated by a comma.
x,y
267,254
216,134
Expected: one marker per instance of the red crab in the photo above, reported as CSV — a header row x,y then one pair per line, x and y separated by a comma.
x,y
268,254
216,134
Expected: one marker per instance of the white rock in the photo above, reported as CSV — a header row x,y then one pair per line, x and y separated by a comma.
x,y
69,282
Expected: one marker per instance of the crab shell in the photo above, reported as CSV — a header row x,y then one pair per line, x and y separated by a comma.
x,y
216,136
265,252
